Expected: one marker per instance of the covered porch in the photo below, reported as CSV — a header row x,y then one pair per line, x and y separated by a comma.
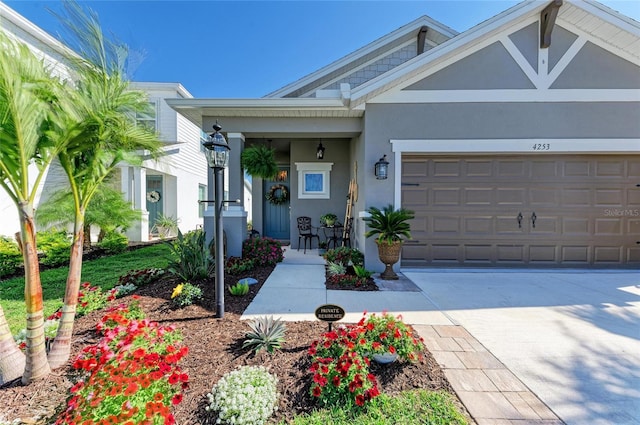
x,y
294,128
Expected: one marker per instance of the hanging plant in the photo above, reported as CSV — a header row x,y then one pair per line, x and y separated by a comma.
x,y
259,161
278,194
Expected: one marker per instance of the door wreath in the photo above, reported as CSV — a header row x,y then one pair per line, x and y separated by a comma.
x,y
274,197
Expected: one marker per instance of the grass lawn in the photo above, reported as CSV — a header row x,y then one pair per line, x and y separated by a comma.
x,y
102,272
408,407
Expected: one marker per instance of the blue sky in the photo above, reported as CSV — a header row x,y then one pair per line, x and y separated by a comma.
x,y
219,49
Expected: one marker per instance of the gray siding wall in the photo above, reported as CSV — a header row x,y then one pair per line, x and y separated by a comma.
x,y
337,152
561,40
502,121
489,68
526,40
384,122
595,68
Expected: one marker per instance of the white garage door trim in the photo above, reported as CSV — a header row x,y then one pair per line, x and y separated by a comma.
x,y
505,146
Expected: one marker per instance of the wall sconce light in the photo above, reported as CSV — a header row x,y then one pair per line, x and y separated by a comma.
x,y
320,151
381,168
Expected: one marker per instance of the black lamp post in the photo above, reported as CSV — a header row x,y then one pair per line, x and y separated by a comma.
x,y
217,154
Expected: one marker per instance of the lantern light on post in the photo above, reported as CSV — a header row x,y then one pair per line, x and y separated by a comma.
x,y
320,151
381,168
217,154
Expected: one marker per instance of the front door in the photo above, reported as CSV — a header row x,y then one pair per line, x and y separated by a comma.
x,y
154,199
276,210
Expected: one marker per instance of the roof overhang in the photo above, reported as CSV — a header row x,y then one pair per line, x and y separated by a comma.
x,y
196,109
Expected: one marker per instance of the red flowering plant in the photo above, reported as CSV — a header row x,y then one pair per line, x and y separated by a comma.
x,y
131,376
264,251
389,334
347,280
340,358
91,298
340,372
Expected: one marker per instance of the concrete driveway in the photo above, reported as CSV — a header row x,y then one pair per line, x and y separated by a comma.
x,y
572,336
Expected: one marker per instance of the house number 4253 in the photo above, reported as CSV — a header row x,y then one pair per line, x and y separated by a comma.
x,y
541,146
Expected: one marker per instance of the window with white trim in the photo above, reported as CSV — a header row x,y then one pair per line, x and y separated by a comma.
x,y
314,180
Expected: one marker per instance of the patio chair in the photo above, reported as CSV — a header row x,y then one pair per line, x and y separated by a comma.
x,y
307,232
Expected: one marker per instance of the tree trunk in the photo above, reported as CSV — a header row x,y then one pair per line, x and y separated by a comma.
x,y
86,243
36,366
12,360
61,347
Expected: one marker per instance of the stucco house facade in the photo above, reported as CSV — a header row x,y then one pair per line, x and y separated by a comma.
x,y
516,142
170,185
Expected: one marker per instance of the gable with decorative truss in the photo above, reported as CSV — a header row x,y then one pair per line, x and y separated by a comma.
x,y
510,63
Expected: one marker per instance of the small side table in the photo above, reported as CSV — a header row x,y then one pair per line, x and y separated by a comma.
x,y
332,234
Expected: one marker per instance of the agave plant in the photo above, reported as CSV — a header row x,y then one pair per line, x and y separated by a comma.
x,y
390,225
266,333
336,268
239,289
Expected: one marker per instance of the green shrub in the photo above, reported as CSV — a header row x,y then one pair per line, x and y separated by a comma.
x,y
264,251
190,259
237,265
140,277
55,246
185,294
362,272
344,255
114,242
266,333
10,256
246,396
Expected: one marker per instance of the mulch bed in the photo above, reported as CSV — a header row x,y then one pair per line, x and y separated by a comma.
x,y
215,348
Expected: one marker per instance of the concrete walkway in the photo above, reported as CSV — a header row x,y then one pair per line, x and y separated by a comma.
x,y
572,336
518,346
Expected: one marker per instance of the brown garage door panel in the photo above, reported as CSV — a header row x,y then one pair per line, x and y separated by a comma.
x,y
547,210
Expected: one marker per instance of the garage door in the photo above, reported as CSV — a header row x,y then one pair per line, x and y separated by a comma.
x,y
515,210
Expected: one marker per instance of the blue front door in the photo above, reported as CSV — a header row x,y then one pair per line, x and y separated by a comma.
x,y
276,215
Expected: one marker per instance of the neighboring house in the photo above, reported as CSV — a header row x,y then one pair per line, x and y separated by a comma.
x,y
171,186
516,142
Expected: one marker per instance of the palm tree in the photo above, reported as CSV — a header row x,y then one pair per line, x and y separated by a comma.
x,y
108,210
104,111
25,88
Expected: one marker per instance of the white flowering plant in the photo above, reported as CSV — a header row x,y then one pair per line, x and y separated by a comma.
x,y
245,396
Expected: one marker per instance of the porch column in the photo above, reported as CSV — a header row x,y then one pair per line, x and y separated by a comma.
x,y
134,186
235,215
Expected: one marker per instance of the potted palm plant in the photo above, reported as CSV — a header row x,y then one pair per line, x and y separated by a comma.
x,y
166,226
390,226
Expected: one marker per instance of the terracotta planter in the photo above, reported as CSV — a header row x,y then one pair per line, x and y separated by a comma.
x,y
389,254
